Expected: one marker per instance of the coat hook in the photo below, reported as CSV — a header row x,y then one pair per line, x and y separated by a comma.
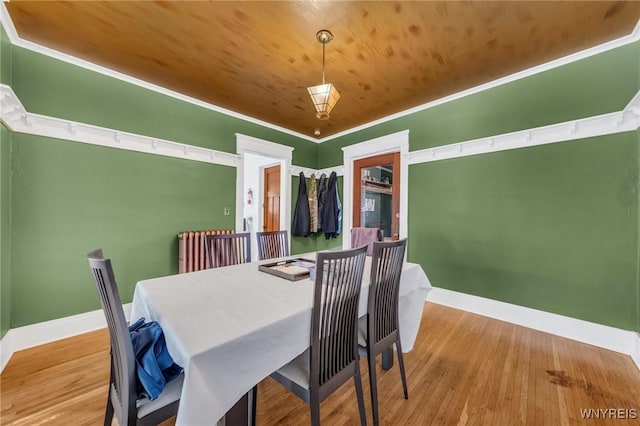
x,y
574,128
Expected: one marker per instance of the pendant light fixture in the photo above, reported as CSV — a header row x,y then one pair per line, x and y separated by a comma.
x,y
324,96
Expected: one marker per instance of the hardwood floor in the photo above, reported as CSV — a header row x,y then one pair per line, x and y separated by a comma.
x,y
464,369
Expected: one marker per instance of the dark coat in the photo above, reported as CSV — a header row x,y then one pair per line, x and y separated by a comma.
x,y
330,209
301,215
322,194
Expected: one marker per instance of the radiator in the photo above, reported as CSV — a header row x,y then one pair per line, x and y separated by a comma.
x,y
192,254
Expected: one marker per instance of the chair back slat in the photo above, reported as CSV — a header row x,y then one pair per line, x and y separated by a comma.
x,y
335,312
123,366
272,244
386,268
228,249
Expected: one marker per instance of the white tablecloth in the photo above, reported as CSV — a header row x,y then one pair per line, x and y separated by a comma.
x,y
231,327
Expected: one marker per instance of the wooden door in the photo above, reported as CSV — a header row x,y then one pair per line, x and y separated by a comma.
x,y
271,204
376,194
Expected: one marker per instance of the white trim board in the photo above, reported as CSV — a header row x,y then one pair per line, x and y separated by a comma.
x,y
636,353
21,338
295,171
15,39
626,120
17,119
603,336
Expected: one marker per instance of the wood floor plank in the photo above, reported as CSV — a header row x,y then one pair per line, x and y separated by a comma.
x,y
465,369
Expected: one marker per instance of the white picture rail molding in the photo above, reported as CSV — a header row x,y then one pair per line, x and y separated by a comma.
x,y
295,171
17,119
626,120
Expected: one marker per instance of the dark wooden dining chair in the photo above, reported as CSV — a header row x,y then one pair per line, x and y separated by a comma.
x,y
123,400
272,244
332,358
379,329
228,249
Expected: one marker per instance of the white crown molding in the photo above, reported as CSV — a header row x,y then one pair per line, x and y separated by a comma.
x,y
617,122
15,39
603,336
37,334
17,119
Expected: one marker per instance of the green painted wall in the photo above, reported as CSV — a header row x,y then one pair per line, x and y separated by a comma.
x,y
5,57
5,195
69,198
5,230
552,227
596,85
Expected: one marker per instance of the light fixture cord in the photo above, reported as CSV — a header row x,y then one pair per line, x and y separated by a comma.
x,y
323,47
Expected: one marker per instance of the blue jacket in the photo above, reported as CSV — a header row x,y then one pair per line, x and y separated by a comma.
x,y
154,365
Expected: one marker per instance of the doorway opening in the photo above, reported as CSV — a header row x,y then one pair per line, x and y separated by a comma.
x,y
376,194
395,143
263,192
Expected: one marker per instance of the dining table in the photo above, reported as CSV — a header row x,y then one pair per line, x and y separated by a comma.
x,y
231,327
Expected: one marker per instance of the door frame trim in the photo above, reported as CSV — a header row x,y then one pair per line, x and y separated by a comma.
x,y
395,142
273,150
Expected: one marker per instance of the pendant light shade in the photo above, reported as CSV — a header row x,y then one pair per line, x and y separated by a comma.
x,y
324,96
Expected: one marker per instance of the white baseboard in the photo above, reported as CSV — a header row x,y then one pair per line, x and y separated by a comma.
x,y
32,335
636,353
615,339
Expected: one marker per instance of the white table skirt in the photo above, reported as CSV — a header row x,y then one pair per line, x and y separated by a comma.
x,y
231,327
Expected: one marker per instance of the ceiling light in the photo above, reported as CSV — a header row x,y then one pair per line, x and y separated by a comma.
x,y
324,96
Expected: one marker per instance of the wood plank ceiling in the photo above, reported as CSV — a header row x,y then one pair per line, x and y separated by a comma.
x,y
257,58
